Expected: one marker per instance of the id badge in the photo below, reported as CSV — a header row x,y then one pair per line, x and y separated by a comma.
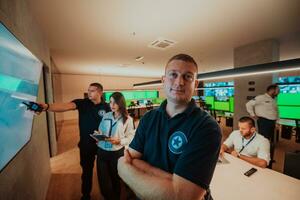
x,y
108,145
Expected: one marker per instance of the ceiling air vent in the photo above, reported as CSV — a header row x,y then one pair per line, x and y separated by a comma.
x,y
161,43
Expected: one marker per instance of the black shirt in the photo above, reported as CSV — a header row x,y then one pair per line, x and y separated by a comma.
x,y
187,144
90,116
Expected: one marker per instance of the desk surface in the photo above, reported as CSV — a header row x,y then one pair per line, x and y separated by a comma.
x,y
230,183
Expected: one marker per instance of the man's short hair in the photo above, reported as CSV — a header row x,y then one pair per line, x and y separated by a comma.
x,y
249,120
272,87
185,58
97,85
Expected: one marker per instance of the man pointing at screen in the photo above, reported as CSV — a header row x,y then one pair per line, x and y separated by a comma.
x,y
91,111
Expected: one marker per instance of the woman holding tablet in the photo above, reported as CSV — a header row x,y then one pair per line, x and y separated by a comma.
x,y
117,125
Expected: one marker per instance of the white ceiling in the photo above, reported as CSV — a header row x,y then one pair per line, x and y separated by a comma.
x,y
97,36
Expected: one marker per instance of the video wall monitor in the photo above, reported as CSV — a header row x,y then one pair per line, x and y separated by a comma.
x,y
289,112
210,101
157,100
20,73
134,95
290,89
128,95
289,79
140,95
222,105
288,99
231,104
218,84
221,90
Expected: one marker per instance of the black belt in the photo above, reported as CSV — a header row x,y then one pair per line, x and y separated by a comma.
x,y
267,119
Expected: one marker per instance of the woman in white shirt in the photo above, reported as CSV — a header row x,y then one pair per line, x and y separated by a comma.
x,y
118,126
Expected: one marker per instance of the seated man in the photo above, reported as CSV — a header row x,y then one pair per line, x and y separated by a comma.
x,y
247,144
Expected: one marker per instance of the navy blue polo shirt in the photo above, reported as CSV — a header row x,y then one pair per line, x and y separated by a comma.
x,y
187,144
90,116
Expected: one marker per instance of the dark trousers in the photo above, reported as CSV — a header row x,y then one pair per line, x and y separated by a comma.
x,y
87,159
108,178
266,128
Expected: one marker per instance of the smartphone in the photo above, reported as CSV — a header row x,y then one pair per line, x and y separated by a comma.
x,y
33,106
250,172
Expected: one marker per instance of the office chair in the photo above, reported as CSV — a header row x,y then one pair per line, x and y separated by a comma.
x,y
286,132
292,164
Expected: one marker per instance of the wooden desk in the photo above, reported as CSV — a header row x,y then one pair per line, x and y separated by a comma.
x,y
230,183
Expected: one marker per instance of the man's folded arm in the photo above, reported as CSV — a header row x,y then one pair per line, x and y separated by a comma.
x,y
149,182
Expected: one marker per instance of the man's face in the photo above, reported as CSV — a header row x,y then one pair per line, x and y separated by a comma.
x,y
275,93
246,129
180,81
94,93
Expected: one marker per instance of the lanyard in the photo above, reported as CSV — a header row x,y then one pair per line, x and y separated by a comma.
x,y
112,125
247,142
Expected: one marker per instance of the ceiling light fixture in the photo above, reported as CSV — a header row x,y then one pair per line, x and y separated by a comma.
x,y
148,84
213,88
273,67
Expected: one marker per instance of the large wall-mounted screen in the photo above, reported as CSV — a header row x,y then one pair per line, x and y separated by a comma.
x,y
220,95
20,72
289,98
134,95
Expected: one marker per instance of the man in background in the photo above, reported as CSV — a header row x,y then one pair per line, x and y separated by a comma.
x,y
247,144
264,109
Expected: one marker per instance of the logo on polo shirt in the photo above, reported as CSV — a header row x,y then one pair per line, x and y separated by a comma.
x,y
101,113
177,141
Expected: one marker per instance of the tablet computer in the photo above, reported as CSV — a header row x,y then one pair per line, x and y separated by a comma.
x,y
99,137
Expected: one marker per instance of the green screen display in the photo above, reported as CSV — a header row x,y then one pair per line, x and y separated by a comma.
x,y
157,100
106,96
288,99
210,100
139,95
151,94
231,104
128,95
289,105
134,95
222,105
289,112
128,103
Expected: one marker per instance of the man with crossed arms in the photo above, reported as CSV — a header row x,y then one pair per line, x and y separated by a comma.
x,y
175,149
